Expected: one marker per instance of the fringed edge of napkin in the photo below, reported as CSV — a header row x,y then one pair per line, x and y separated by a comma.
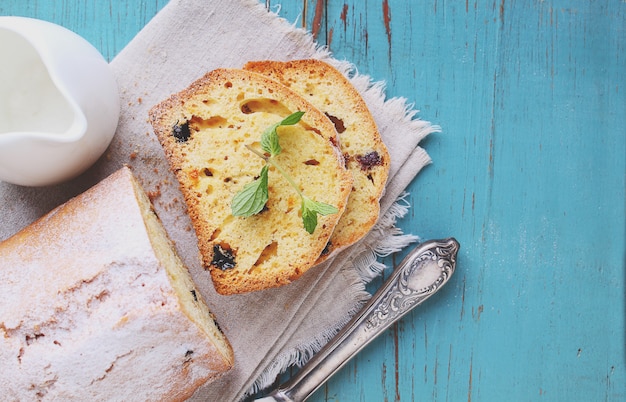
x,y
304,351
385,239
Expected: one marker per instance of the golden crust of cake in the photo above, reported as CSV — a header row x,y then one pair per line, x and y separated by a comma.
x,y
365,153
96,304
206,131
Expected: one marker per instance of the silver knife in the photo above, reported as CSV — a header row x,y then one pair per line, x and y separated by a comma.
x,y
420,275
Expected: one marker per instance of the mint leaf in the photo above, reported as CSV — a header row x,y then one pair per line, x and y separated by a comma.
x,y
269,140
309,219
324,209
310,210
252,197
292,119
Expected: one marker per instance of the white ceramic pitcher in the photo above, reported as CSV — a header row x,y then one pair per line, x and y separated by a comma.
x,y
59,103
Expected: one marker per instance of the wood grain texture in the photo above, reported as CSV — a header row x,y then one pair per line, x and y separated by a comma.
x,y
528,174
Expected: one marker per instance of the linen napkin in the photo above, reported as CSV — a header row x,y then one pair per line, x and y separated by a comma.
x,y
272,329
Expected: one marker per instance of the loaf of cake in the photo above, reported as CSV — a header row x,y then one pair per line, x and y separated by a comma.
x,y
211,133
365,153
96,305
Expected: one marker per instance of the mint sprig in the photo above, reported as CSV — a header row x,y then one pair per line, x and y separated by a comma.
x,y
252,198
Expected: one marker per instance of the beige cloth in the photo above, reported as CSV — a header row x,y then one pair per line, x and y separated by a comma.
x,y
267,329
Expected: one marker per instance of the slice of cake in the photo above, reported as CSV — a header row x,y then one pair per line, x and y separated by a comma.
x,y
211,133
97,305
365,153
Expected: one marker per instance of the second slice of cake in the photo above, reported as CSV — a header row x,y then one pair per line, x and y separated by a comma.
x,y
366,156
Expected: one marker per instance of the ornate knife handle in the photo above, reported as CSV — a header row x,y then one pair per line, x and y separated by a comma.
x,y
420,275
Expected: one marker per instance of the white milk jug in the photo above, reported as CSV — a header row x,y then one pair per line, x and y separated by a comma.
x,y
59,103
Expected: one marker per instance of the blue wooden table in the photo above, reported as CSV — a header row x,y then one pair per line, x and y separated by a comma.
x,y
528,174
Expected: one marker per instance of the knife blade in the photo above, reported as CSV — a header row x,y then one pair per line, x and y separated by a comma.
x,y
421,274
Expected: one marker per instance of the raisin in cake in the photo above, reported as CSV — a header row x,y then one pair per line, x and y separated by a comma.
x,y
206,131
96,305
365,153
